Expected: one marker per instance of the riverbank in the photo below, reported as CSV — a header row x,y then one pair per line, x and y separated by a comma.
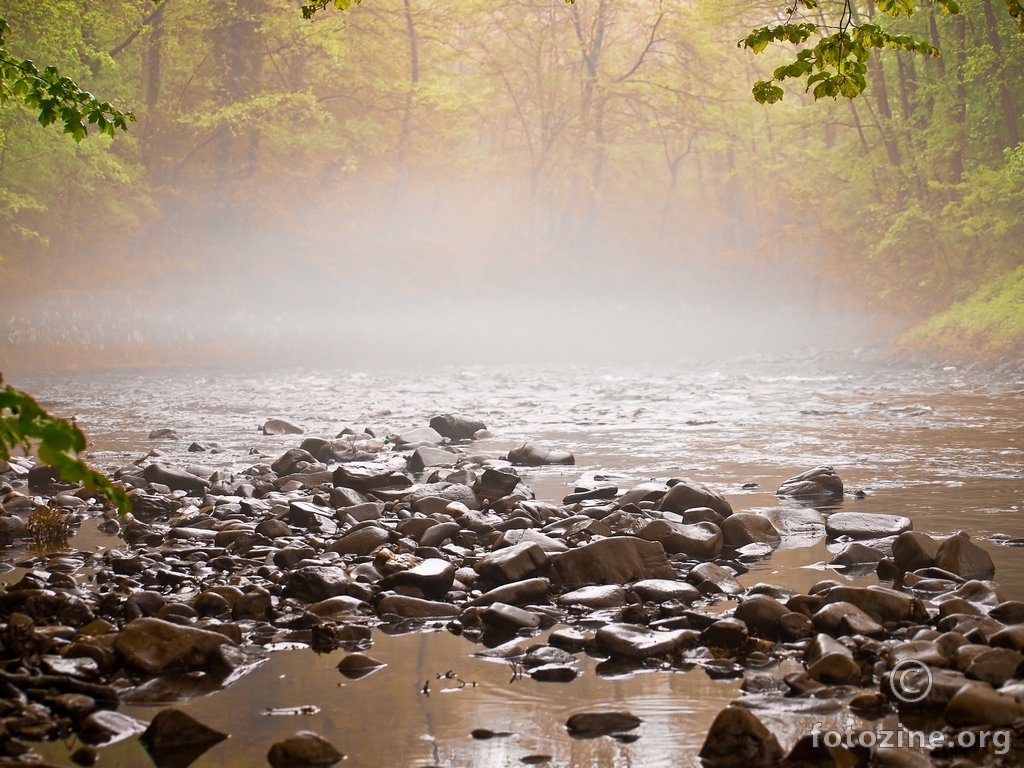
x,y
987,326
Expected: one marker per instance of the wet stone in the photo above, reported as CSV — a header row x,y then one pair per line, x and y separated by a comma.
x,y
862,525
738,739
303,750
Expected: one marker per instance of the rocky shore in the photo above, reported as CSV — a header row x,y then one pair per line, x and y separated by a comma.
x,y
339,537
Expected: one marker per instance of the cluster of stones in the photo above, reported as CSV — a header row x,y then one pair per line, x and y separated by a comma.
x,y
339,536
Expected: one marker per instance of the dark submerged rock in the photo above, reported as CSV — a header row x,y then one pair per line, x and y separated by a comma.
x,y
303,750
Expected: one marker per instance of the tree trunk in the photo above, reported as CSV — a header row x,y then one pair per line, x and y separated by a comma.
x,y
1011,120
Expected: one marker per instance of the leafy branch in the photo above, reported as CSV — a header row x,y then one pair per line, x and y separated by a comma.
x,y
23,420
55,97
836,65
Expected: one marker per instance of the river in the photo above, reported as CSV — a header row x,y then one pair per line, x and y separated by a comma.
x,y
941,445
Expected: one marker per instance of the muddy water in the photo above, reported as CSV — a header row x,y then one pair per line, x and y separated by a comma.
x,y
942,446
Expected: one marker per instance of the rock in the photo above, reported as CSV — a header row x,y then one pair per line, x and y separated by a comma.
x,y
370,477
175,479
841,618
880,603
710,578
291,460
995,666
818,484
176,738
280,427
1009,612
516,593
738,739
856,553
164,433
513,563
509,617
432,578
303,750
863,525
744,528
357,665
726,634
683,496
664,590
615,560
602,596
590,725
702,541
959,555
429,456
980,704
415,608
361,541
913,550
314,583
762,616
829,661
416,437
636,642
154,646
530,455
494,484
456,427
802,522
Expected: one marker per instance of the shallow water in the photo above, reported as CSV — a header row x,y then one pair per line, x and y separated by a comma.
x,y
942,446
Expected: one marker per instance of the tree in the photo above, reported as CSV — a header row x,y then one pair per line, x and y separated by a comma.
x,y
836,65
22,420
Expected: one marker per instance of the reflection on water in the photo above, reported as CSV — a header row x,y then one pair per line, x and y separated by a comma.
x,y
943,447
386,720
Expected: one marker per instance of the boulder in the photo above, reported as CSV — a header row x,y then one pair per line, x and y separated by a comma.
x,y
432,578
303,750
959,555
856,553
913,550
831,662
314,583
702,541
615,560
416,437
683,496
155,646
514,563
981,704
174,734
456,427
408,607
738,739
291,460
590,725
762,616
864,525
711,578
429,456
176,479
665,590
817,484
744,528
530,455
630,641
494,484
280,427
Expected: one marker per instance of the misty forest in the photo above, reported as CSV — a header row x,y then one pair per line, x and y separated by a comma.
x,y
587,383
574,167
